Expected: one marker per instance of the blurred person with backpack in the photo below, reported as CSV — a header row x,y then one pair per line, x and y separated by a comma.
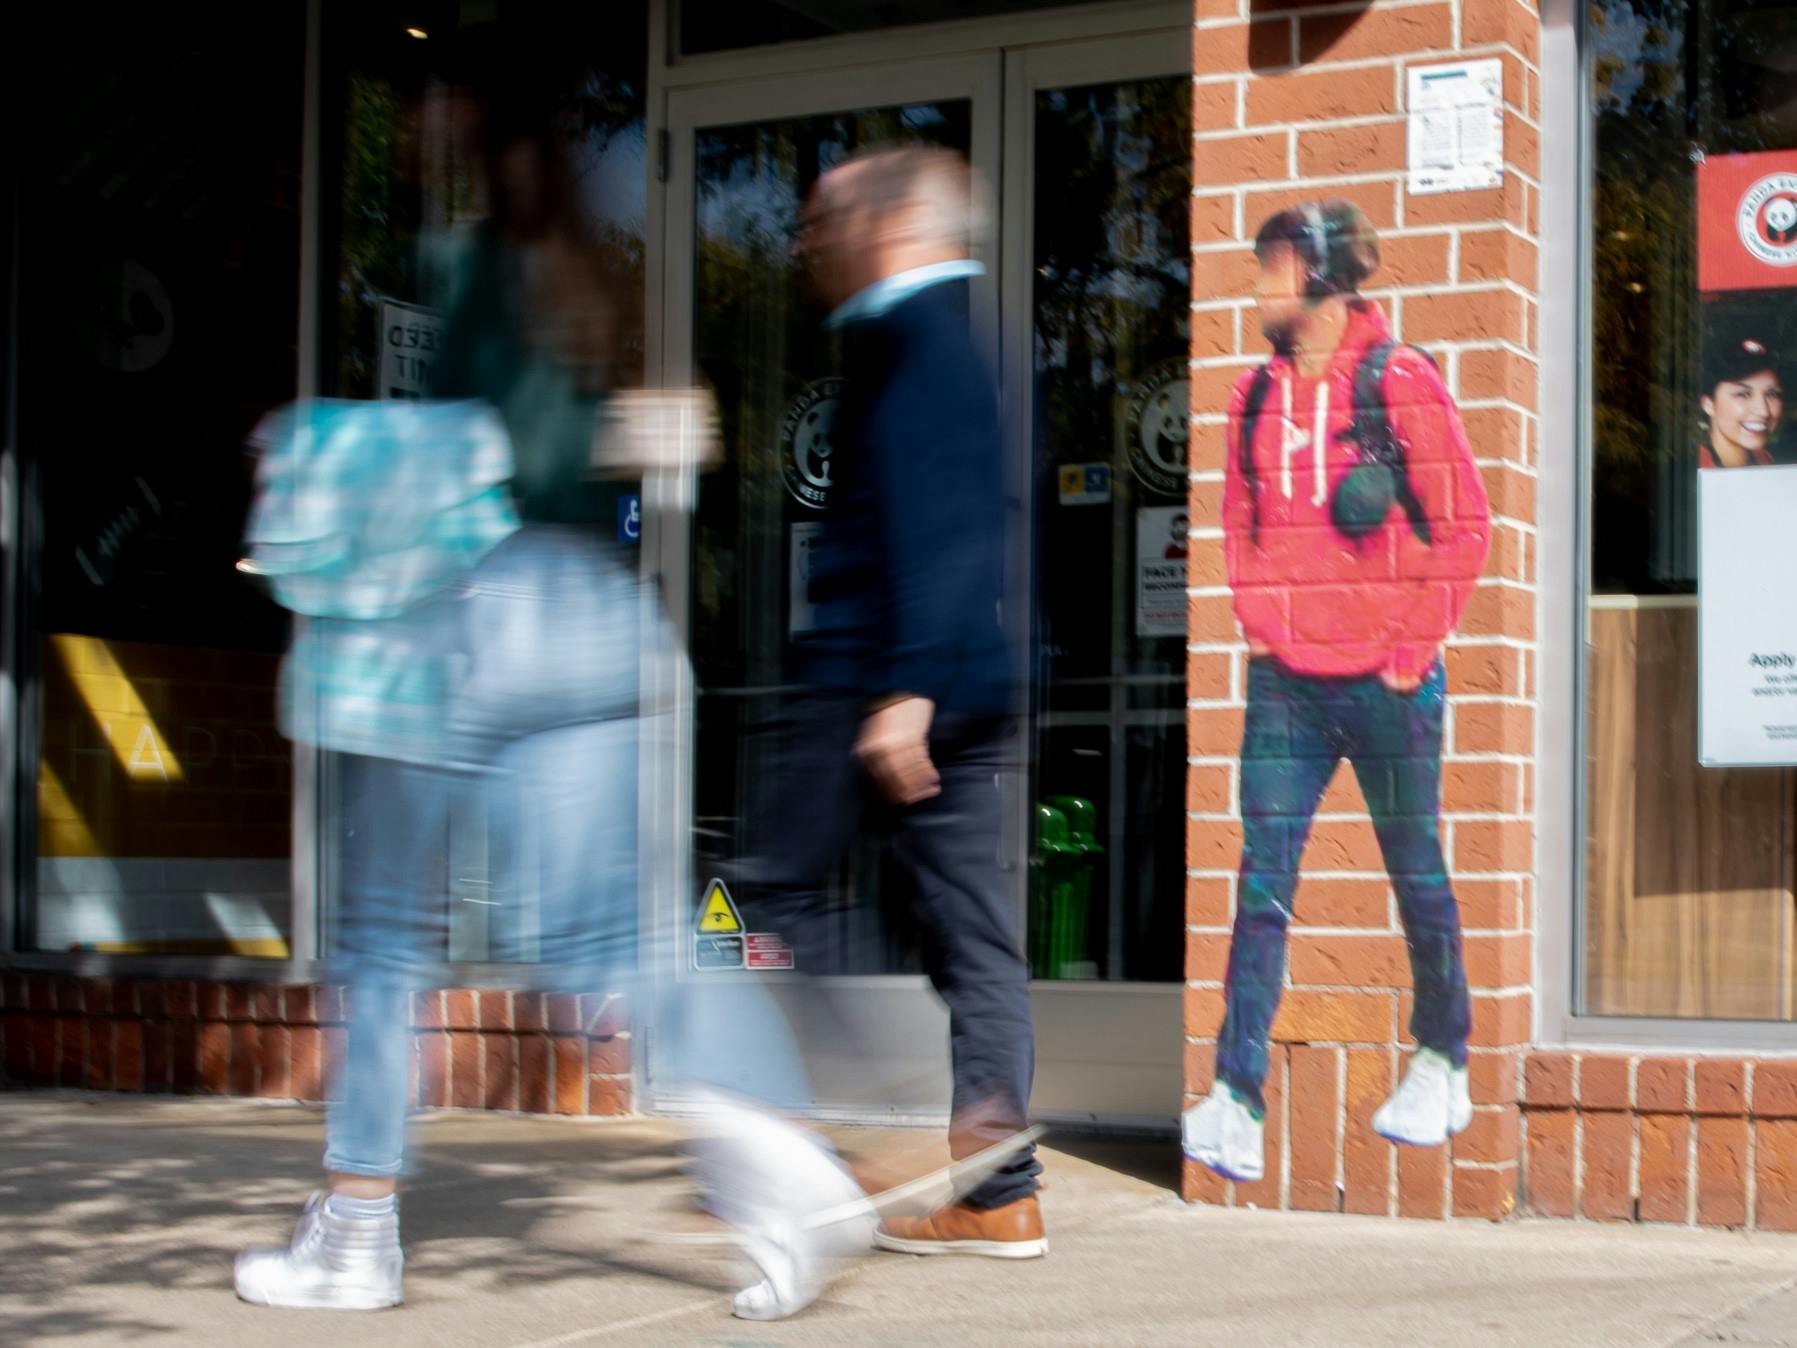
x,y
467,626
1355,526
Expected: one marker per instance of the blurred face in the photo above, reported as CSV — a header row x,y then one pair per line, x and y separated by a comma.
x,y
831,244
1746,414
1279,295
517,185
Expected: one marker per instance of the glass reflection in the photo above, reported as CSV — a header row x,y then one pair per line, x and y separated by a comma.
x,y
774,370
1111,302
1690,892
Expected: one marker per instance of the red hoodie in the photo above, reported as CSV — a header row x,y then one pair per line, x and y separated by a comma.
x,y
1322,604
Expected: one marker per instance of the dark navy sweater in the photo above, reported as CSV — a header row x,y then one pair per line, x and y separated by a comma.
x,y
909,576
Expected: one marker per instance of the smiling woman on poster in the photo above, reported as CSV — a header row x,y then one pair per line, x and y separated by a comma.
x,y
1743,405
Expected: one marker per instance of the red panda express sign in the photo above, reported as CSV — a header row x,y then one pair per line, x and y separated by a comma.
x,y
1747,221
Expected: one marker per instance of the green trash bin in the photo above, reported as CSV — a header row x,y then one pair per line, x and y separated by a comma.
x,y
1050,883
1061,888
1075,951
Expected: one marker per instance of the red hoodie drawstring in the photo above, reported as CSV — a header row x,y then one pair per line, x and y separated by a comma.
x,y
1293,438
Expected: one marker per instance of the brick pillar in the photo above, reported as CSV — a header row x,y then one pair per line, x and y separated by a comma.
x,y
1294,104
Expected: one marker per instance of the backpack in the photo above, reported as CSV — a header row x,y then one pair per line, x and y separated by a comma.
x,y
1381,475
362,509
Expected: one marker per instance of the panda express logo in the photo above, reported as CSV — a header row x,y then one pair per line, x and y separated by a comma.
x,y
805,444
1157,433
1766,219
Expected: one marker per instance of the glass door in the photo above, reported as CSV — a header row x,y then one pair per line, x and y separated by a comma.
x,y
1087,302
1098,181
735,544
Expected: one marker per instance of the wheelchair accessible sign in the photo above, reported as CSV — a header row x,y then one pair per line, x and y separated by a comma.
x,y
719,941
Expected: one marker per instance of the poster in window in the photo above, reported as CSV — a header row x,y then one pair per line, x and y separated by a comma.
x,y
1161,548
1747,221
1746,265
1747,624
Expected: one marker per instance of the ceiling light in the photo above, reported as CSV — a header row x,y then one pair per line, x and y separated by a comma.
x,y
417,33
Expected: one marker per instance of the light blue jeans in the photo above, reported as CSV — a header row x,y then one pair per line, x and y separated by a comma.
x,y
545,734
546,741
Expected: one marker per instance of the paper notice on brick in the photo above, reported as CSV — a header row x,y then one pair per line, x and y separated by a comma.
x,y
1456,127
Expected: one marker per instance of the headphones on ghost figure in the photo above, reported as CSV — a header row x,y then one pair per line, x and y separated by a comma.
x,y
1314,248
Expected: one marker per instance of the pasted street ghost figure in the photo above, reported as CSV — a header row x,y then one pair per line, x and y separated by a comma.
x,y
1355,525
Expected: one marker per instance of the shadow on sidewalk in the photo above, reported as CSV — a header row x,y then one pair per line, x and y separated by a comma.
x,y
101,1197
1152,1160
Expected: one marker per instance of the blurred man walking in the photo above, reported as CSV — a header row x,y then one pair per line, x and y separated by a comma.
x,y
909,677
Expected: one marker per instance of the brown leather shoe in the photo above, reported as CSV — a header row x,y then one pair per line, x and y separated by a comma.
x,y
1011,1232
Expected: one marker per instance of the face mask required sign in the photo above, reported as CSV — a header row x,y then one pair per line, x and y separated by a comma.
x,y
1747,617
1161,549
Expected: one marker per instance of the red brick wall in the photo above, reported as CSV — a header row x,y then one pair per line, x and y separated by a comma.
x,y
1656,1138
1303,103
539,1053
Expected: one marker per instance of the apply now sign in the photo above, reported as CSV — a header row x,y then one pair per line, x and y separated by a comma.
x,y
1747,617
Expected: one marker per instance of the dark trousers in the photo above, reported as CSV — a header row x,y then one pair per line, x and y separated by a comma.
x,y
1298,728
967,906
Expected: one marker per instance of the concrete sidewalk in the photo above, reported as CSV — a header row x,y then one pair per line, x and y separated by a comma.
x,y
119,1217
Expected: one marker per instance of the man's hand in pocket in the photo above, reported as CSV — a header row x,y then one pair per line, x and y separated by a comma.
x,y
894,747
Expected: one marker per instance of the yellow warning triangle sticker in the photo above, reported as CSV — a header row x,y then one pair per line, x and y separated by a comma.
x,y
718,912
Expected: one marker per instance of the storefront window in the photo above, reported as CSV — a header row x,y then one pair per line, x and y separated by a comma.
x,y
1689,886
162,212
159,212
402,178
1112,296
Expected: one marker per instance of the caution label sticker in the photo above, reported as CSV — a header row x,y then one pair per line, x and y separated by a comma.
x,y
717,930
717,952
717,913
766,950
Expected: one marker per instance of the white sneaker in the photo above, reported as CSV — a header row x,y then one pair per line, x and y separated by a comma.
x,y
334,1262
1220,1131
795,1207
1431,1104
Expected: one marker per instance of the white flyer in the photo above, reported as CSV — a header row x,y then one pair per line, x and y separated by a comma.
x,y
1456,127
801,613
1162,543
1746,619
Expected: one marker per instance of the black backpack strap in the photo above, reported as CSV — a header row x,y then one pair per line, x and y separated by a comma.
x,y
1257,397
1372,430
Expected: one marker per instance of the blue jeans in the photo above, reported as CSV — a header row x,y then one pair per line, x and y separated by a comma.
x,y
1298,729
561,802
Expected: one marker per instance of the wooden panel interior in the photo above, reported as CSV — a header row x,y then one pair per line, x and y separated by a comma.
x,y
1690,878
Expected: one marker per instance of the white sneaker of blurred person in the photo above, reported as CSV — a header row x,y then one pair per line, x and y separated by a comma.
x,y
1431,1104
795,1208
344,1255
1222,1132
